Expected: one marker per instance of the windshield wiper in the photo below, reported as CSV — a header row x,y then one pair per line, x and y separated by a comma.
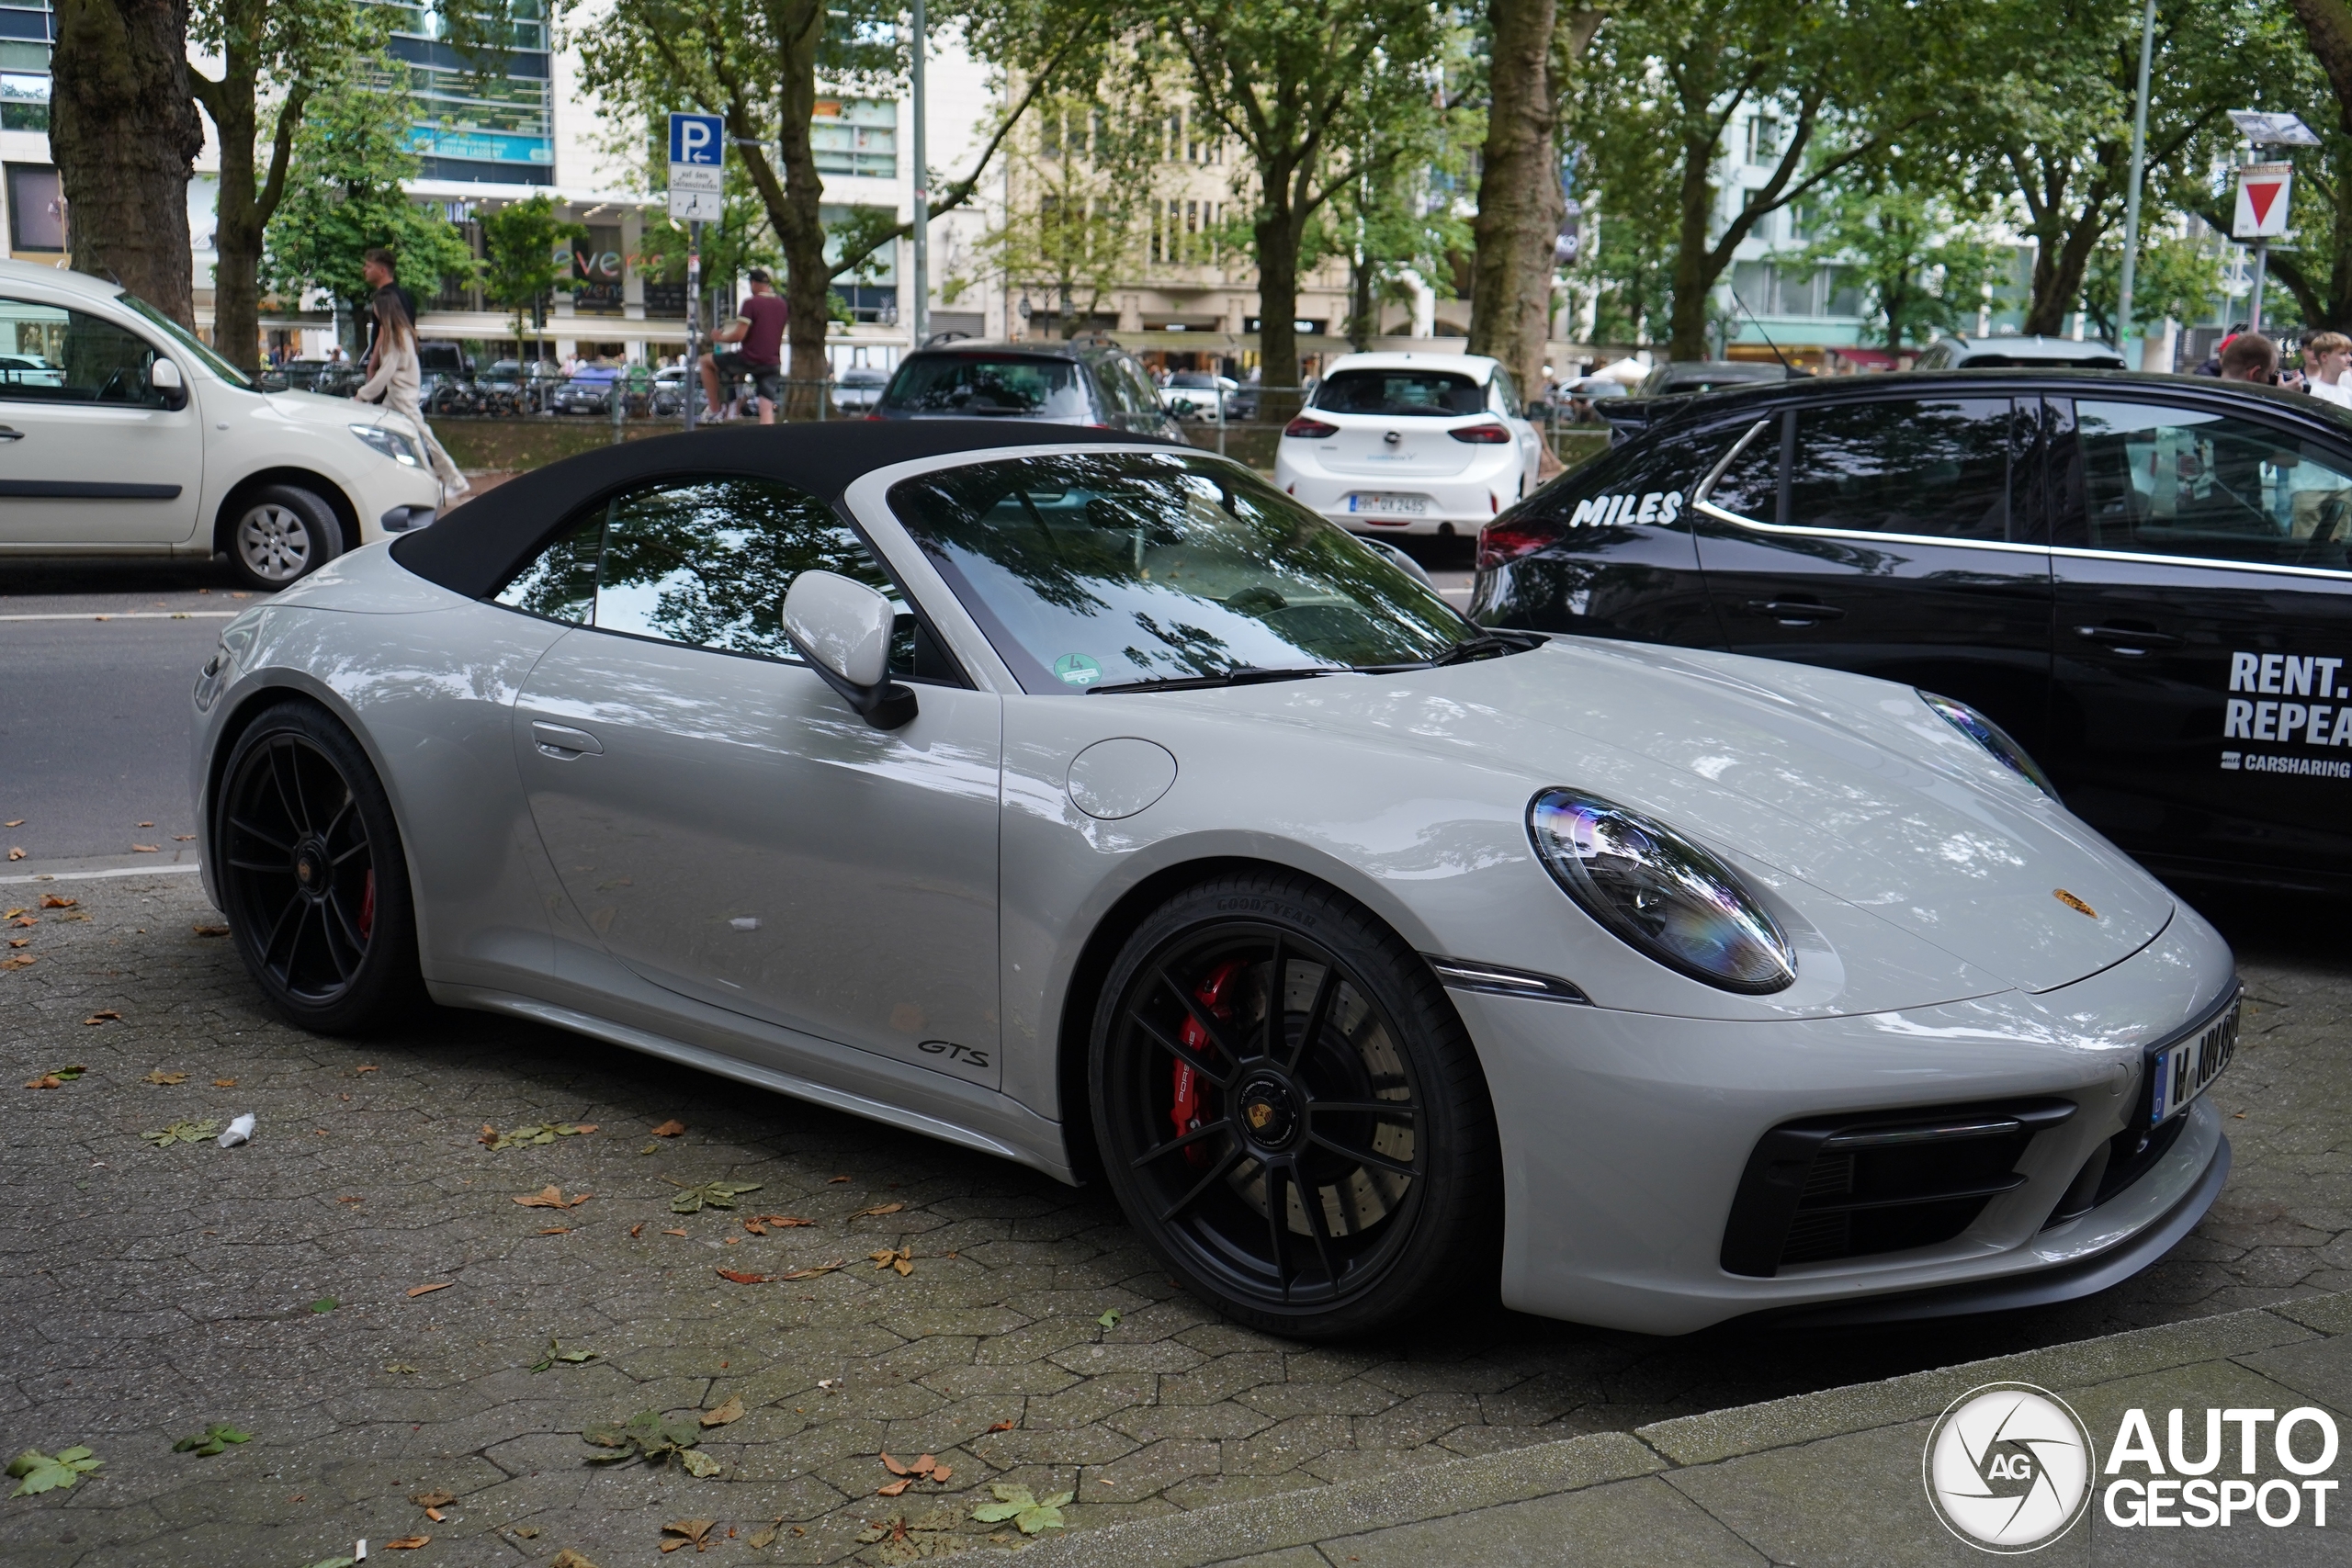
x,y
1241,675
1487,645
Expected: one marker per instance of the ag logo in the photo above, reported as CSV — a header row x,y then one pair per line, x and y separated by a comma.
x,y
2009,1468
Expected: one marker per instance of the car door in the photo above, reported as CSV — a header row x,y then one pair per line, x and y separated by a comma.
x,y
721,821
1900,537
91,454
2203,707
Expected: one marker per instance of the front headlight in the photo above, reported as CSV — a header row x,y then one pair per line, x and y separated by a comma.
x,y
1992,736
387,442
1658,892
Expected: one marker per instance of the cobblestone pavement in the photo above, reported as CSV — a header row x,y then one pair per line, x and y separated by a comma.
x,y
358,1289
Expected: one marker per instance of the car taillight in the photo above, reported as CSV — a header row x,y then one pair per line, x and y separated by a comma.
x,y
1481,434
1500,543
1307,429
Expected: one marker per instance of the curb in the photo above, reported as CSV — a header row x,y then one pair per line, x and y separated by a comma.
x,y
1227,1531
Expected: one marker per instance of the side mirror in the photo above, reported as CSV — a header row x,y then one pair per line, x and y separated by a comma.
x,y
164,376
843,629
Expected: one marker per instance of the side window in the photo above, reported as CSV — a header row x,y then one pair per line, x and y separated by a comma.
x,y
50,354
1935,467
1749,486
706,564
1507,392
2181,481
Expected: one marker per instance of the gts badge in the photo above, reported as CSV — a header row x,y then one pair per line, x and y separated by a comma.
x,y
962,1055
1659,506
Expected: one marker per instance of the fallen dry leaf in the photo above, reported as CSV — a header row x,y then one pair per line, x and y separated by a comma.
x,y
673,1233
209,930
901,1259
47,1080
691,1532
741,1277
16,852
637,1230
359,1072
894,1488
557,1230
159,1075
18,823
811,1273
784,1222
146,824
836,1180
183,838
407,1544
225,1083
731,1411
1002,1426
102,1017
146,848
435,1499
22,961
877,1209
553,1198
20,941
428,1289
669,1129
52,901
567,1558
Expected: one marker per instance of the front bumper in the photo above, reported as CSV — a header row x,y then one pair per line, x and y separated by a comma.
x,y
1626,1135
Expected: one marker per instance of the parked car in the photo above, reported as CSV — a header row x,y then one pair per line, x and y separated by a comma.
x,y
1198,395
2029,352
441,365
588,389
2147,580
1411,443
859,388
1679,377
1081,381
139,440
1147,826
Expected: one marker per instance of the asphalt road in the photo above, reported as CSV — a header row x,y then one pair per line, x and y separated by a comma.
x,y
96,662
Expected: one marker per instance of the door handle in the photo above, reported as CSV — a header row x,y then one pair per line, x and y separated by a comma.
x,y
1794,610
562,742
2130,641
10,432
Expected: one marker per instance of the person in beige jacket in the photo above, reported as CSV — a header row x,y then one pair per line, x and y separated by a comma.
x,y
396,383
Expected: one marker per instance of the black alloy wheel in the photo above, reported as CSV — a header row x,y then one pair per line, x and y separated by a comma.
x,y
312,874
1290,1112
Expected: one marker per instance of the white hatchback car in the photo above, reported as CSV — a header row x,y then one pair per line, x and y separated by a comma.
x,y
121,433
1411,443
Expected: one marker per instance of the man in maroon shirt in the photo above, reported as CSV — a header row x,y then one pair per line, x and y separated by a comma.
x,y
760,332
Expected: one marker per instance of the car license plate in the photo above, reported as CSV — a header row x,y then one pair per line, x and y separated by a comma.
x,y
2180,1072
1409,505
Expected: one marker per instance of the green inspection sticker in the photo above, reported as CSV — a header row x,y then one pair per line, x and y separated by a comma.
x,y
1078,670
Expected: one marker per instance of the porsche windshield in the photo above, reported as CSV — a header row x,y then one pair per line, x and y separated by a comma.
x,y
1116,569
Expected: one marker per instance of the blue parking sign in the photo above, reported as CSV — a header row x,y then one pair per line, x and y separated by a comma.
x,y
696,139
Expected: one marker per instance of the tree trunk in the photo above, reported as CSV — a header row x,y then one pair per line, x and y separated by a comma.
x,y
1686,332
125,134
236,239
1521,206
1362,323
1278,237
792,201
2058,274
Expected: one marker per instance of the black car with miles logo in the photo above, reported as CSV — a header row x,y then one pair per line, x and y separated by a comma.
x,y
2145,579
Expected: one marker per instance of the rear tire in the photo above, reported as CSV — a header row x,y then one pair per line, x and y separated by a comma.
x,y
281,534
312,874
1354,1109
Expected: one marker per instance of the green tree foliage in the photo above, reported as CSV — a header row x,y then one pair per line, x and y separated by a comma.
x,y
2175,276
1627,178
1922,261
343,195
1301,88
288,49
1084,176
125,134
527,256
2315,81
1398,216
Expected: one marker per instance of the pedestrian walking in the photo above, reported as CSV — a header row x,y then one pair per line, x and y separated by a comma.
x,y
759,331
377,265
2327,367
395,385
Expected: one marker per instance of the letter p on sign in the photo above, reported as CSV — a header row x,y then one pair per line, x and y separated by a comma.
x,y
2263,190
697,140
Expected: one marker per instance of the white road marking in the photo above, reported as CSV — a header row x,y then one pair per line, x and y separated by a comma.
x,y
135,616
90,875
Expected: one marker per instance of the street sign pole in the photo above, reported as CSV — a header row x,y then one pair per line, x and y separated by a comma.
x,y
697,186
2264,191
2132,206
918,317
2254,300
692,387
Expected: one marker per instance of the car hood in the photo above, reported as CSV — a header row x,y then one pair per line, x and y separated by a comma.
x,y
1846,785
310,408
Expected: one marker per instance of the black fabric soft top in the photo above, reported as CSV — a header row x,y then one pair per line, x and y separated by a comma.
x,y
478,547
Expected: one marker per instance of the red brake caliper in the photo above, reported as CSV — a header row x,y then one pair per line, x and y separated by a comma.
x,y
367,907
1186,1109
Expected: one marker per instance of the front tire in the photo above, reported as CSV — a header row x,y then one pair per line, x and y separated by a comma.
x,y
1320,1166
312,874
280,535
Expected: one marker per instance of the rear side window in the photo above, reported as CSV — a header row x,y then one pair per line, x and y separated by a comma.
x,y
1438,394
987,386
2181,481
1936,468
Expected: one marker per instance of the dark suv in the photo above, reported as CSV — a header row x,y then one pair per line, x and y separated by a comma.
x,y
1086,381
2146,580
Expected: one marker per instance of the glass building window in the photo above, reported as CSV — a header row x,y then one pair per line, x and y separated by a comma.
x,y
856,136
27,27
36,208
493,129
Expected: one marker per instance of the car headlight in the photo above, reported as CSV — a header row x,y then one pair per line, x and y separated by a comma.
x,y
1993,738
1658,892
389,444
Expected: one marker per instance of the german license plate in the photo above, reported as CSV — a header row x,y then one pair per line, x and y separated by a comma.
x,y
1395,506
2180,1072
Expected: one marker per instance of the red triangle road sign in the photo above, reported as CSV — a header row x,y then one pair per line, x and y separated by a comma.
x,y
2261,195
